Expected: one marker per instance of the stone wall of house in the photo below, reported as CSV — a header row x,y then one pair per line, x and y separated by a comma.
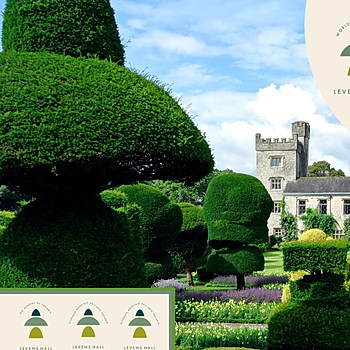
x,y
294,163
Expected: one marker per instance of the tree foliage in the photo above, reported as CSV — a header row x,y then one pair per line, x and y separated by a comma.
x,y
179,192
288,222
85,123
325,222
321,168
191,242
66,27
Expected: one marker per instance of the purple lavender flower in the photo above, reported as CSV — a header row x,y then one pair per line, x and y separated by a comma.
x,y
251,280
179,286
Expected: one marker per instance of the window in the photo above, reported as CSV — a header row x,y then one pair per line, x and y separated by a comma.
x,y
276,207
346,206
276,184
301,207
277,231
322,206
338,234
276,161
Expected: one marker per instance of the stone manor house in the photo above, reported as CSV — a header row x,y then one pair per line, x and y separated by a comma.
x,y
282,166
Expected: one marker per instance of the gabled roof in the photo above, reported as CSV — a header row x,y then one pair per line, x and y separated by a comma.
x,y
318,185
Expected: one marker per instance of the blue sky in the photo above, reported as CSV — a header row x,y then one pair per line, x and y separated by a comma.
x,y
239,66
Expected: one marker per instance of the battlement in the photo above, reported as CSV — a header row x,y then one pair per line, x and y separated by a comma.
x,y
277,144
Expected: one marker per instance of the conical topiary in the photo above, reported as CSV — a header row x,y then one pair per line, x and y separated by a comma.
x,y
67,27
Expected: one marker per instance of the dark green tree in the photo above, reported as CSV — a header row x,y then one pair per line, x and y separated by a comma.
x,y
191,242
323,168
236,209
161,221
72,127
67,27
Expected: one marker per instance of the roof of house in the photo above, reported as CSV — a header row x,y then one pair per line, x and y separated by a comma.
x,y
318,185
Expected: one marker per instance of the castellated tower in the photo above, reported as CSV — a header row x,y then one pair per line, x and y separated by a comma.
x,y
280,161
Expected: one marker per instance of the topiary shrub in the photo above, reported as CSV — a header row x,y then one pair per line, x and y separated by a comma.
x,y
66,27
296,327
154,272
72,250
161,219
72,127
316,308
191,241
313,235
236,209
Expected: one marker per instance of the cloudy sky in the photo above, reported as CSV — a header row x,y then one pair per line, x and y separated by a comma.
x,y
240,68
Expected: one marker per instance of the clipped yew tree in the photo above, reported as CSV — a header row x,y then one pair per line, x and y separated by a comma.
x,y
316,311
191,241
72,126
236,210
161,221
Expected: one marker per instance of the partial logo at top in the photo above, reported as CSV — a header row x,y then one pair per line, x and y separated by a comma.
x,y
327,37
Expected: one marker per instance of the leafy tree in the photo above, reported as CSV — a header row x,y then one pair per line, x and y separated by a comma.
x,y
179,192
325,222
347,227
72,127
236,209
191,242
288,222
321,167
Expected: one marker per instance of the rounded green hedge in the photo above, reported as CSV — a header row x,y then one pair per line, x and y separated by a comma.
x,y
240,261
236,208
75,123
81,244
66,27
298,327
161,220
191,241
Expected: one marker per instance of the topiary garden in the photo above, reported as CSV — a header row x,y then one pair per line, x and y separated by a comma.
x,y
72,126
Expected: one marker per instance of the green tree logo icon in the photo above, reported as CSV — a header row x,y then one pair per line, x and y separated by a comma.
x,y
88,321
139,321
36,321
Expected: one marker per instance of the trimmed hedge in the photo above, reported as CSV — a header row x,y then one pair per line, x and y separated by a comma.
x,y
66,27
114,198
236,208
85,124
81,244
297,327
240,261
322,256
161,220
191,241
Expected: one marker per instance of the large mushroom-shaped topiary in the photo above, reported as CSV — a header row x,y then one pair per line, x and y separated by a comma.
x,y
236,209
72,127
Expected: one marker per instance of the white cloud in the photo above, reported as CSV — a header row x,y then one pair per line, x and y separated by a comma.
x,y
232,136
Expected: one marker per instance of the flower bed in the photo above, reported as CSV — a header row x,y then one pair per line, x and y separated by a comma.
x,y
251,281
250,295
198,336
216,311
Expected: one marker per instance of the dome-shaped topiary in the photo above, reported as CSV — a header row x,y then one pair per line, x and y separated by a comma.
x,y
313,235
66,27
236,208
70,123
160,219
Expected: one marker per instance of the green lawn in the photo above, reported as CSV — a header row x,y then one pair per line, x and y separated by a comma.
x,y
277,254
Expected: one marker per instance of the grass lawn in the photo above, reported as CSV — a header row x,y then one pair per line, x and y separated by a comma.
x,y
277,254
